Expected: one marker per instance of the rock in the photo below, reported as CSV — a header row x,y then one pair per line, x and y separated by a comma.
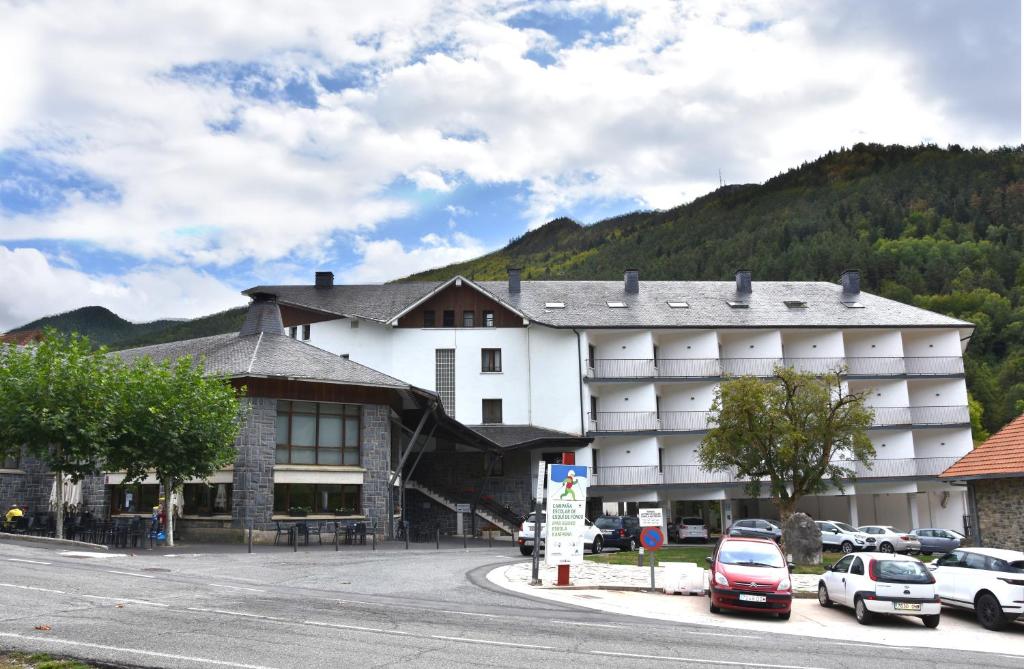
x,y
802,539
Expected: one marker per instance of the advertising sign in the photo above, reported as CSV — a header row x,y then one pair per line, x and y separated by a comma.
x,y
463,508
567,501
651,518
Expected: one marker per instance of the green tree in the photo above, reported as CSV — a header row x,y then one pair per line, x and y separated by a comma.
x,y
57,401
797,433
176,422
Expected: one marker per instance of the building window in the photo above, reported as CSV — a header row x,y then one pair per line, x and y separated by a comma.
x,y
320,499
467,319
314,433
661,460
490,360
449,318
293,332
593,407
491,411
134,498
202,499
428,318
591,355
444,378
488,319
305,333
494,464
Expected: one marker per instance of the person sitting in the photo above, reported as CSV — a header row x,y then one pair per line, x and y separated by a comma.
x,y
14,512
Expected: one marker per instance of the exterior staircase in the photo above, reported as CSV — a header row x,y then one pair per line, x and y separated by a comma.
x,y
500,518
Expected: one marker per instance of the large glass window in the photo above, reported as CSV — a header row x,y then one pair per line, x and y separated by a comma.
x,y
317,498
316,433
134,498
491,411
490,360
467,319
202,499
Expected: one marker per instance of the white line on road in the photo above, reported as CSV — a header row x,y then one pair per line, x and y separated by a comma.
x,y
126,601
490,642
28,561
467,613
234,587
571,622
699,661
128,573
359,628
29,587
136,651
235,613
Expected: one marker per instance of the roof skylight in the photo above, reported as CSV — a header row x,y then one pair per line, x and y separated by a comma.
x,y
554,305
739,305
617,305
678,305
852,304
795,304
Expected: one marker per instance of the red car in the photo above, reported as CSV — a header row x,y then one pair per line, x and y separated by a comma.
x,y
750,575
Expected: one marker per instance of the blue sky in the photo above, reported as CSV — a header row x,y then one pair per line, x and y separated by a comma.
x,y
156,159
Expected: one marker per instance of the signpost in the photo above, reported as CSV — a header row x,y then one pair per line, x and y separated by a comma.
x,y
539,500
651,518
566,519
463,508
652,538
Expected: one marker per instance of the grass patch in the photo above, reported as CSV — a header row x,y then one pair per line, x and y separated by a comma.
x,y
14,660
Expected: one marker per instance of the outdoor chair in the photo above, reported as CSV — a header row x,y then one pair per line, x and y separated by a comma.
x,y
282,531
313,528
20,525
360,533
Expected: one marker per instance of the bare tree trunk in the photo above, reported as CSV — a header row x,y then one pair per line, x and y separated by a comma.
x,y
58,501
787,507
169,511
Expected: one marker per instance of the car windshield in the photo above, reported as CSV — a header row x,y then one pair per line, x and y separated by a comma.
x,y
533,518
903,571
692,521
607,523
749,554
844,527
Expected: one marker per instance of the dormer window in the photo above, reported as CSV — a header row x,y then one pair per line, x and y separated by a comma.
x,y
554,305
738,305
795,304
617,305
678,305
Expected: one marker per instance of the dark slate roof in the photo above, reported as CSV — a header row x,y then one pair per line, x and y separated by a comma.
x,y
266,355
526,436
586,304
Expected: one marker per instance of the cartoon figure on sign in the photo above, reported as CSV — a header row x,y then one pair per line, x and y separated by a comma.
x,y
567,485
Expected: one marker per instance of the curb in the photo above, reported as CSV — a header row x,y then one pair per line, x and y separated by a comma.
x,y
49,541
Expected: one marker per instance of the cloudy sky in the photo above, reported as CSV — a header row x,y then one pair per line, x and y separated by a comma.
x,y
156,158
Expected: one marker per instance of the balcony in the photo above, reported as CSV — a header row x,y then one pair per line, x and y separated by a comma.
x,y
930,416
608,369
641,475
624,422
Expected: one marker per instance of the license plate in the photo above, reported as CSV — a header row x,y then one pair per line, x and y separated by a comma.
x,y
906,606
753,598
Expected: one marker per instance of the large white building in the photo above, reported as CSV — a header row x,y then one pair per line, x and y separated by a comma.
x,y
626,373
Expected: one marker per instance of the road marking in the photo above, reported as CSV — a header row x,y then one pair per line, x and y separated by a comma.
x,y
29,587
422,608
467,613
235,613
360,629
127,601
128,573
738,636
698,661
28,561
571,622
490,642
234,587
137,651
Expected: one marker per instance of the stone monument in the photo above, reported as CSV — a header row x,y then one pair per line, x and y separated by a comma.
x,y
802,539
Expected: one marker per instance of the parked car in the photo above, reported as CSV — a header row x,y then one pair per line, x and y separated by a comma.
x,y
890,540
842,537
937,540
879,583
750,574
989,581
757,528
622,532
593,540
693,528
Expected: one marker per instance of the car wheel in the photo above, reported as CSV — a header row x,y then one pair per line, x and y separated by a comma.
x,y
631,546
785,616
860,610
930,621
886,547
823,596
712,607
990,612
597,546
526,550
847,547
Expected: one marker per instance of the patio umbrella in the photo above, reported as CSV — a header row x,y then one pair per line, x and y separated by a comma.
x,y
72,492
220,502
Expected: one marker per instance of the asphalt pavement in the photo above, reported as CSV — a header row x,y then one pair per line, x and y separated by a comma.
x,y
363,608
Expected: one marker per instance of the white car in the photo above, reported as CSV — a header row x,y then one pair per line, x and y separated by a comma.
x,y
989,581
890,540
878,583
692,529
841,537
593,540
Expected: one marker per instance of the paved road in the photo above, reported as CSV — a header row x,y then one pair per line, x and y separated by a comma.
x,y
417,608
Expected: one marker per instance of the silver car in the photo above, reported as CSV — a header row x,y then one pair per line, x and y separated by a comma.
x,y
890,540
938,540
839,536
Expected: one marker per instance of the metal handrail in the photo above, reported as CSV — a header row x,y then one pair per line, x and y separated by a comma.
x,y
649,421
697,368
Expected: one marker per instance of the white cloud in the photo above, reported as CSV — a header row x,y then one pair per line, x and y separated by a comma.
x,y
386,259
145,294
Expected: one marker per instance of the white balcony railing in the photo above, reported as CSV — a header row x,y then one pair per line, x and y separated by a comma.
x,y
709,368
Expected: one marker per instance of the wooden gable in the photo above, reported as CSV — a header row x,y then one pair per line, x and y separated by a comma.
x,y
459,300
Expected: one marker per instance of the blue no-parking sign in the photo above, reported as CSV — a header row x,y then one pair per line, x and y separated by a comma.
x,y
652,538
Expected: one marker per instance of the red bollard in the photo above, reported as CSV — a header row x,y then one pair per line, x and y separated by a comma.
x,y
563,575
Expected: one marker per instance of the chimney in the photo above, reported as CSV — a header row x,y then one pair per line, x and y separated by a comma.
x,y
743,281
851,281
264,316
325,279
632,281
513,279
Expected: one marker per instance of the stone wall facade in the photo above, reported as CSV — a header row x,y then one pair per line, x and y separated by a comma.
x,y
1000,508
375,458
252,495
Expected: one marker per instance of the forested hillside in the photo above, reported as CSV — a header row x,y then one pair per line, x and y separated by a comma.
x,y
939,228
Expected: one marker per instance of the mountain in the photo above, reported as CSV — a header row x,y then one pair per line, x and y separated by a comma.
x,y
103,326
939,228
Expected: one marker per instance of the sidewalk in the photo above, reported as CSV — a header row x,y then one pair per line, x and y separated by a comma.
x,y
957,631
